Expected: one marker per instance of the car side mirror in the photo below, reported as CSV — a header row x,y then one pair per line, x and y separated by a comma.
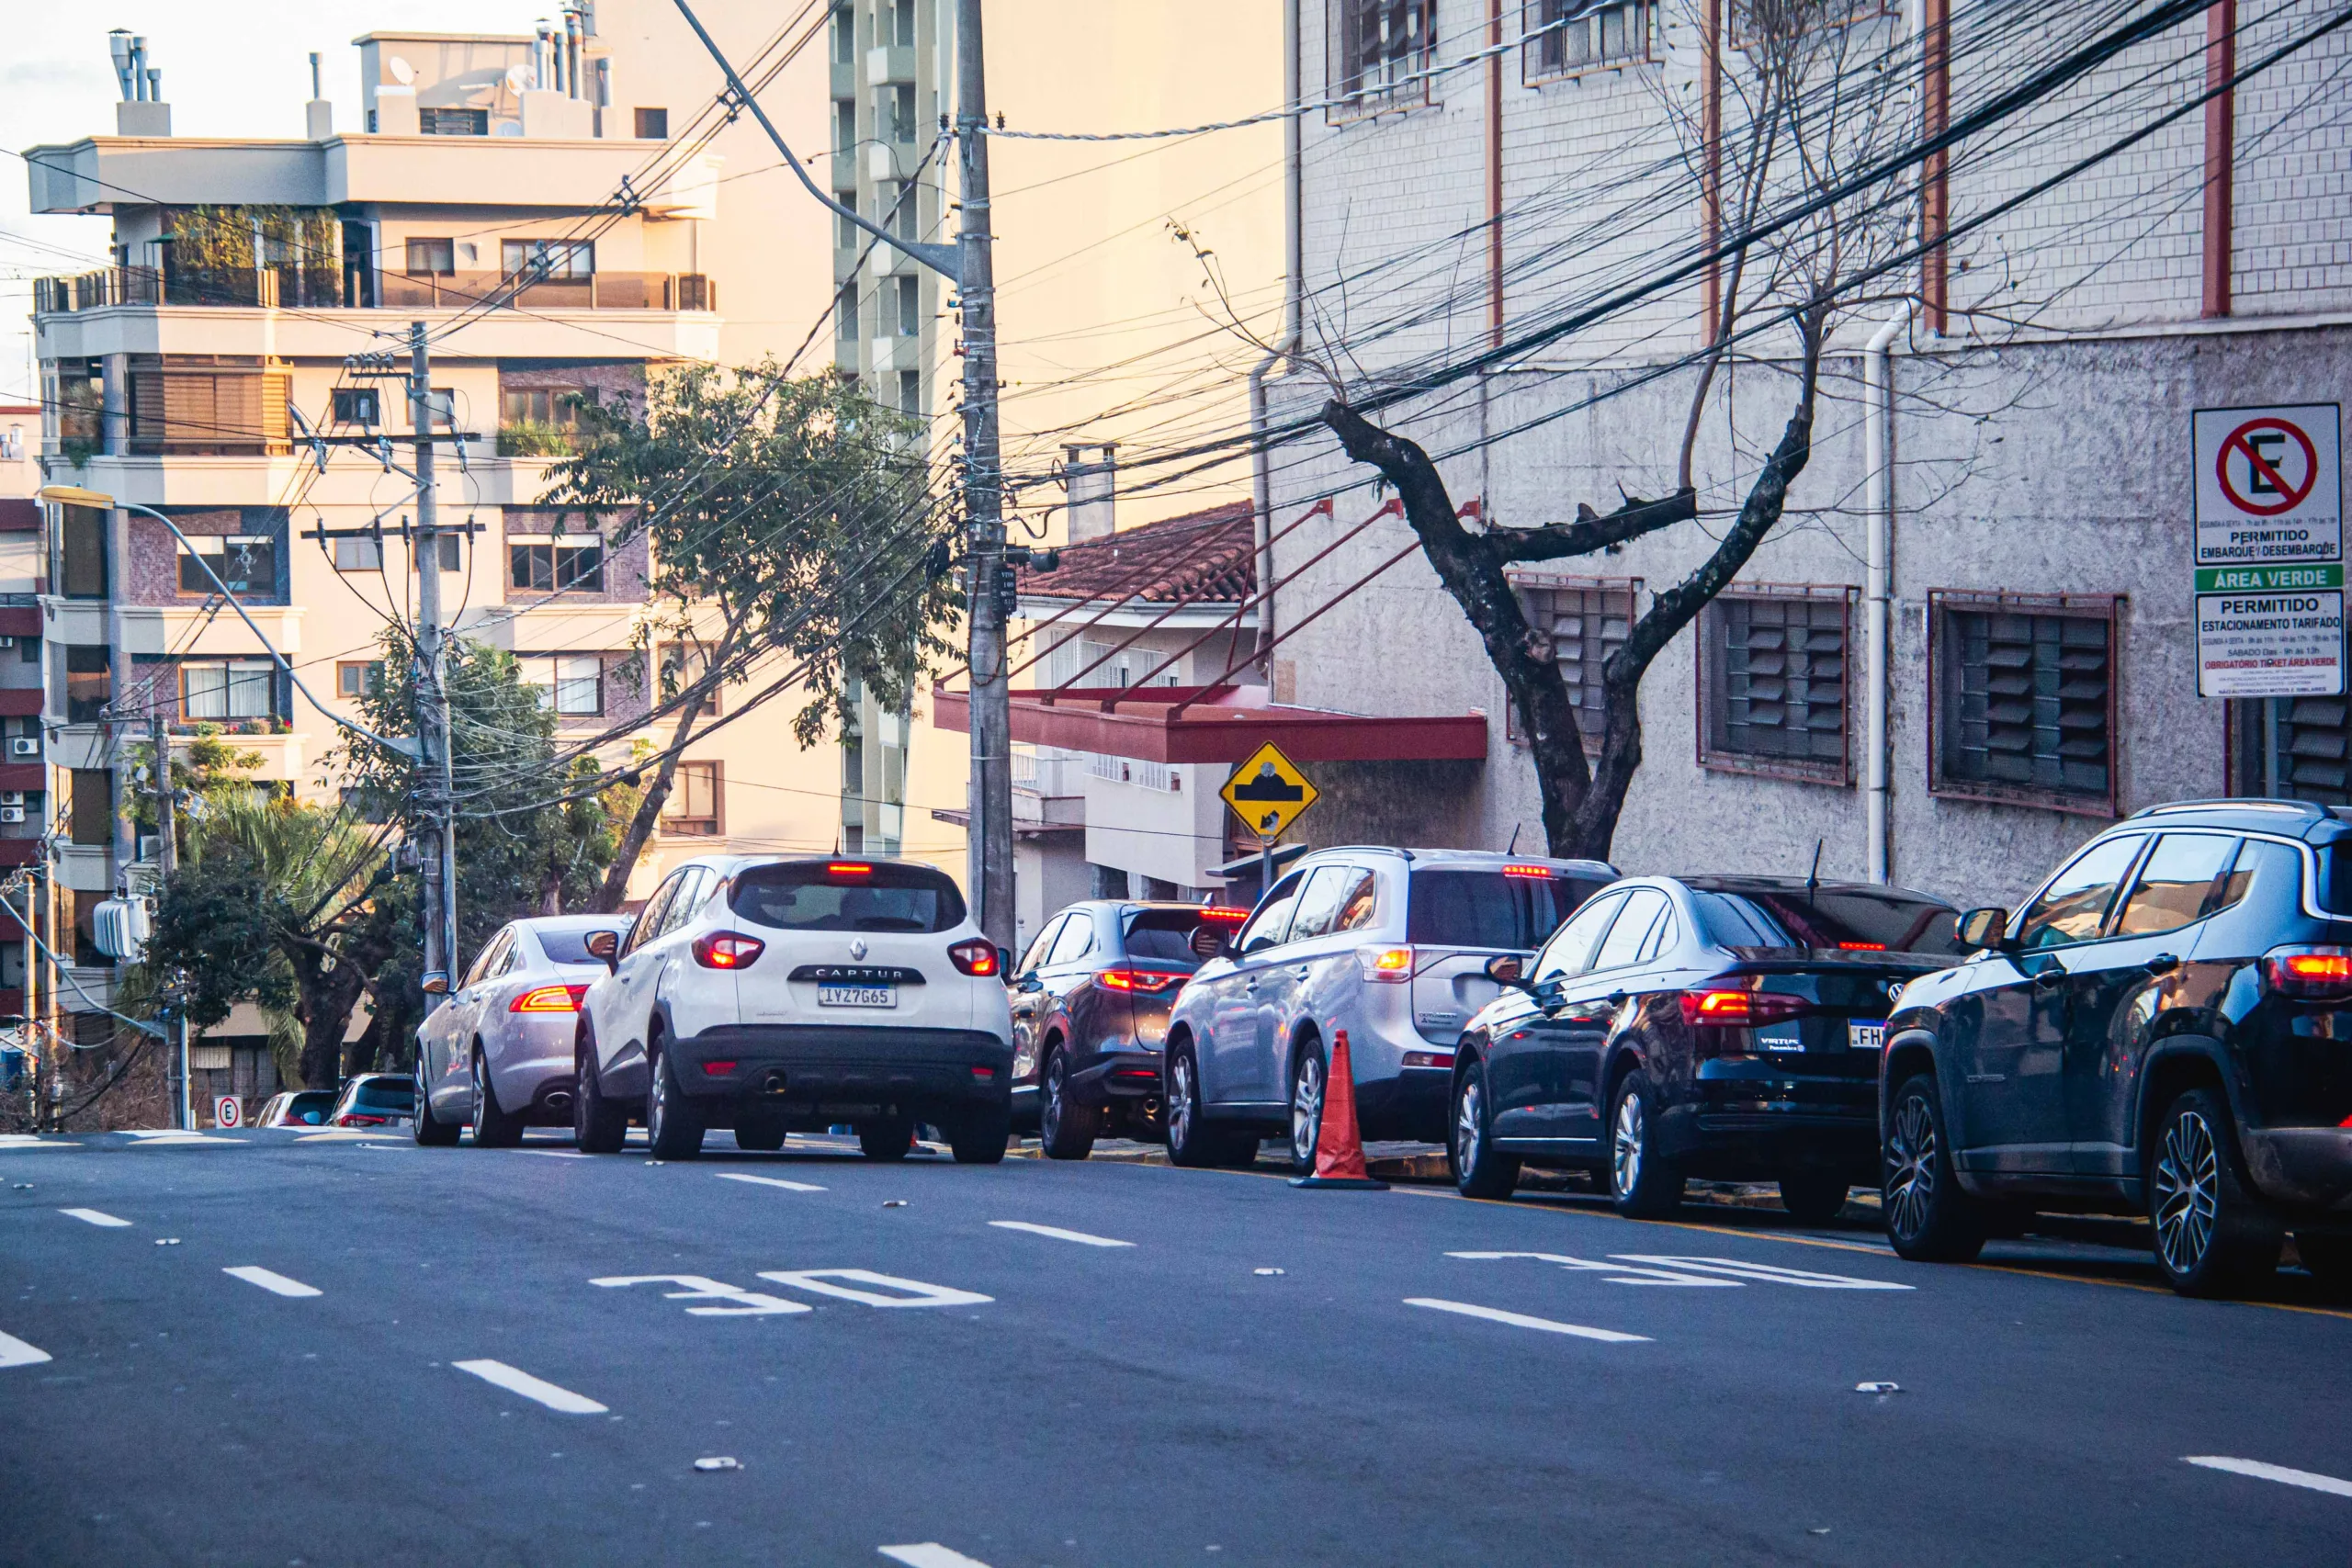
x,y
436,984
1209,942
605,946
1509,971
1985,930
1029,982
1551,995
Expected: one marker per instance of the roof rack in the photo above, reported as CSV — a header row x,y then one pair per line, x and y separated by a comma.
x,y
2239,803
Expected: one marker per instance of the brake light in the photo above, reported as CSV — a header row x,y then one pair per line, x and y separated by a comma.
x,y
1218,914
975,957
1391,965
2309,973
1862,947
548,999
726,950
848,868
719,1070
1543,871
1138,979
1739,1009
351,1119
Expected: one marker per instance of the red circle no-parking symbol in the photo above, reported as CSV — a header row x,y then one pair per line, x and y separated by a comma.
x,y
2253,466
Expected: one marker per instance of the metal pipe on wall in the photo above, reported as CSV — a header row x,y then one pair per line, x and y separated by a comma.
x,y
1293,269
1878,552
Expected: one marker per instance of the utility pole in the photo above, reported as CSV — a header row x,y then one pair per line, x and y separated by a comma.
x,y
435,783
159,760
989,855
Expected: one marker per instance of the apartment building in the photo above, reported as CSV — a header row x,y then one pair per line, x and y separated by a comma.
x,y
2067,368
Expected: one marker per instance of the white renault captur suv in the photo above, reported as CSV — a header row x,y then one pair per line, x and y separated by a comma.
x,y
776,996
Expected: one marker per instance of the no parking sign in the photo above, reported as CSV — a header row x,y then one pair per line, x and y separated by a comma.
x,y
228,1112
2269,485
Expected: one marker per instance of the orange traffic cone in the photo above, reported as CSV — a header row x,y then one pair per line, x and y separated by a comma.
x,y
1338,1147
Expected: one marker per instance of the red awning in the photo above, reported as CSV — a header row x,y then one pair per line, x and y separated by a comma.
x,y
1223,724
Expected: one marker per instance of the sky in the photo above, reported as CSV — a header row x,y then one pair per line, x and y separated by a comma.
x,y
231,68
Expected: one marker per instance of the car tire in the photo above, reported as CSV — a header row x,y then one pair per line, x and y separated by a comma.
x,y
978,1136
1813,1197
598,1126
1065,1128
427,1128
1480,1170
758,1135
1309,1087
1193,1141
494,1128
674,1127
2329,1258
886,1137
2213,1237
1642,1184
1929,1218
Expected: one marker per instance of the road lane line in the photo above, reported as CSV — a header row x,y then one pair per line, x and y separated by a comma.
x,y
1058,1233
555,1154
33,1141
929,1555
95,1217
515,1380
272,1281
770,1181
2278,1473
15,1352
1520,1320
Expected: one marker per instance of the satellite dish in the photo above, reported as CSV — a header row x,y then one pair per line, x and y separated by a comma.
x,y
403,71
517,78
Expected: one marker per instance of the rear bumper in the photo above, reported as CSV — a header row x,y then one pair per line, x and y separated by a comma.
x,y
1410,1105
1751,1118
2309,1168
834,1070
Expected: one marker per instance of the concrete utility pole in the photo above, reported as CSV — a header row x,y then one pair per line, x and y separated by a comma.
x,y
990,864
436,782
159,761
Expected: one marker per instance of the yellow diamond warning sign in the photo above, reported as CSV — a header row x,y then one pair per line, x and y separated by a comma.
x,y
1268,792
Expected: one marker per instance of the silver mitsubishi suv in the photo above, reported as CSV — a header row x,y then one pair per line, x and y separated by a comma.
x,y
1390,945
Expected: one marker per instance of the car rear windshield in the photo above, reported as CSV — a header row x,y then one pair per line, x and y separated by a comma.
x,y
570,947
1827,919
385,1094
1490,908
319,1099
1163,935
2334,877
848,895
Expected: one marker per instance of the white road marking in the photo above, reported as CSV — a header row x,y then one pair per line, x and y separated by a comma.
x,y
1617,1273
33,1141
346,1135
748,1303
95,1217
15,1352
929,1555
276,1283
2278,1473
770,1181
917,1294
1058,1233
1520,1320
168,1139
556,1154
514,1382
1769,1273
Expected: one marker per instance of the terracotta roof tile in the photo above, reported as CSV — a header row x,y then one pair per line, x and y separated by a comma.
x,y
1205,557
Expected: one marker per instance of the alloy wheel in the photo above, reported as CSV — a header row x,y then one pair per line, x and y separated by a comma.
x,y
482,1094
1911,1173
1180,1101
1306,1108
1467,1121
1050,1120
657,1109
1625,1145
2187,1176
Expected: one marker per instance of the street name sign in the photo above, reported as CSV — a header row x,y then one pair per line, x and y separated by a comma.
x,y
1268,792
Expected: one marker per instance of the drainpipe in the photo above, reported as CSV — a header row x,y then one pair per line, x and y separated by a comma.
x,y
1878,453
1260,481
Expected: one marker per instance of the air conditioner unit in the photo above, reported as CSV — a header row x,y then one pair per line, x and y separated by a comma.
x,y
12,813
12,797
24,745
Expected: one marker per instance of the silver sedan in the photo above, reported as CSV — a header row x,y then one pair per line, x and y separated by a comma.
x,y
497,1054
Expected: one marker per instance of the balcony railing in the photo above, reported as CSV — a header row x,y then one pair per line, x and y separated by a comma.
x,y
317,287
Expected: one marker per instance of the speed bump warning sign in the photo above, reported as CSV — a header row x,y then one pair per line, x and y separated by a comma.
x,y
1268,792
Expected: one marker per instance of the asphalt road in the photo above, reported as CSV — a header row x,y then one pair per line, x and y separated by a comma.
x,y
267,1347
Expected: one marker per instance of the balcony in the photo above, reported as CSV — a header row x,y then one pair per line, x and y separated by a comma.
x,y
312,288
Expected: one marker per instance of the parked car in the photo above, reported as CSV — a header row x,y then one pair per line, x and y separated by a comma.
x,y
774,996
1722,1027
1089,1015
497,1053
2160,1030
375,1100
1388,944
297,1108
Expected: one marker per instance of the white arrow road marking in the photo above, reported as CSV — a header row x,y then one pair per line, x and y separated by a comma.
x,y
15,1352
2278,1473
770,1181
1768,1273
929,1555
1058,1233
748,1303
514,1382
95,1217
272,1281
917,1294
1617,1273
1520,1320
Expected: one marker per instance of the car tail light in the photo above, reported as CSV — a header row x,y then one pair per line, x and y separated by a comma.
x,y
548,999
719,1070
1139,979
1543,871
983,1073
975,957
1428,1058
351,1118
726,950
1740,1010
1392,965
1220,914
848,868
2309,973
1862,947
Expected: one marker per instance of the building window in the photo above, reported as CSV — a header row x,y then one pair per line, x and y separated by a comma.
x,y
898,199
451,559
847,234
354,681
1568,38
1381,54
1773,681
682,666
234,688
1751,21
2291,749
845,34
359,405
556,565
191,404
81,542
697,801
555,407
547,258
245,563
453,122
426,257
894,111
653,125
911,393
910,292
844,141
90,806
2023,706
845,312
359,555
572,683
1584,619
902,22
89,683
